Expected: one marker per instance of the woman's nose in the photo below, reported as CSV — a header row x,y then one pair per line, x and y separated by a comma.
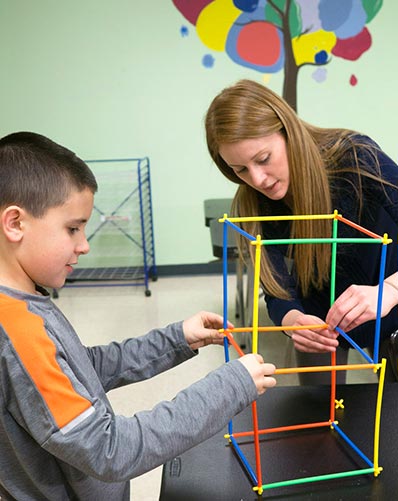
x,y
258,176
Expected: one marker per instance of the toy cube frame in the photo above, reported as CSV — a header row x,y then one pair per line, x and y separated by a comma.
x,y
373,364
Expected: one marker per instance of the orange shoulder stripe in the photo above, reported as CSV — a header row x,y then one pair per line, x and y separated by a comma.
x,y
38,355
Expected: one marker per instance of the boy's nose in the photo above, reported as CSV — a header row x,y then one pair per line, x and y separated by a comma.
x,y
83,247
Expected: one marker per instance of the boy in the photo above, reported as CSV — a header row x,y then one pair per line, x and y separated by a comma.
x,y
59,438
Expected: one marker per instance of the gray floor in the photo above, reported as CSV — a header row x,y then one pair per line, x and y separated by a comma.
x,y
104,314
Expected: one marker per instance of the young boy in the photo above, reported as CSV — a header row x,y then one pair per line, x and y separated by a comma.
x,y
59,437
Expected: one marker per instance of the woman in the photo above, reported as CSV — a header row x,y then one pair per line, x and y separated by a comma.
x,y
286,166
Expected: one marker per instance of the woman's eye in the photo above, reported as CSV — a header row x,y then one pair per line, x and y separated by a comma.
x,y
264,161
241,170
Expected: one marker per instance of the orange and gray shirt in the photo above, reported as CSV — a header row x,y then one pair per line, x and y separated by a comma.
x,y
59,437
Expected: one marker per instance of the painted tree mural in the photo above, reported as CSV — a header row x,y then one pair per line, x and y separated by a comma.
x,y
273,35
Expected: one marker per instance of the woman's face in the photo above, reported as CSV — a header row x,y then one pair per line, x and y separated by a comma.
x,y
261,163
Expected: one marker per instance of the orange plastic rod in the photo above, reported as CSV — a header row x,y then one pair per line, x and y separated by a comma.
x,y
234,343
359,228
282,428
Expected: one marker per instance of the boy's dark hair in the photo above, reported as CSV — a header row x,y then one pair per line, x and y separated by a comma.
x,y
37,173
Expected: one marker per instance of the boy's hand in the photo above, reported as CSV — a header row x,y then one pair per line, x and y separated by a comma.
x,y
202,329
259,371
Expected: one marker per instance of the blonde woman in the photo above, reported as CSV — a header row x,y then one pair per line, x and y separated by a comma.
x,y
285,166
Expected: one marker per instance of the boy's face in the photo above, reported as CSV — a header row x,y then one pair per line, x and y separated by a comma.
x,y
52,244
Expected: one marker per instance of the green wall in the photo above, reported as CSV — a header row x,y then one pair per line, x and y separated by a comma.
x,y
116,79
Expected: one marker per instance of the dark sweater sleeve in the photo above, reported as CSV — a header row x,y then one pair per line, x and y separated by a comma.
x,y
379,200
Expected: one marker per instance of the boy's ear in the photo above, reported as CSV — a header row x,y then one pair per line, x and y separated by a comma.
x,y
11,219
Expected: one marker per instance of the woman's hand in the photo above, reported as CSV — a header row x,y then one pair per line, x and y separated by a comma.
x,y
358,304
203,329
315,340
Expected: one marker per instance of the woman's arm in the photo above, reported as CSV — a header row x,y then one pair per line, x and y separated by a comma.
x,y
358,303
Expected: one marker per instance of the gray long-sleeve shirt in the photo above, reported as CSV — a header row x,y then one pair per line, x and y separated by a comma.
x,y
59,437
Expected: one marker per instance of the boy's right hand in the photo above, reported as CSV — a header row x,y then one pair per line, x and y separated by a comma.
x,y
259,371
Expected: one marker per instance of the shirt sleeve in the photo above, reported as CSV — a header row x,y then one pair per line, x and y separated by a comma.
x,y
117,448
114,448
62,406
140,358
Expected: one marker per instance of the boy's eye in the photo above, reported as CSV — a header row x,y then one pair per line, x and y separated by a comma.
x,y
72,231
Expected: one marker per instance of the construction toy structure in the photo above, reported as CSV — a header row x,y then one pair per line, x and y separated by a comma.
x,y
371,465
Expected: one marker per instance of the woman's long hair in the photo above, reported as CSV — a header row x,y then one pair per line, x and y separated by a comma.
x,y
250,110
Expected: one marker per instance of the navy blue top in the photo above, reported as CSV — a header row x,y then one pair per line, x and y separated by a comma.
x,y
356,263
